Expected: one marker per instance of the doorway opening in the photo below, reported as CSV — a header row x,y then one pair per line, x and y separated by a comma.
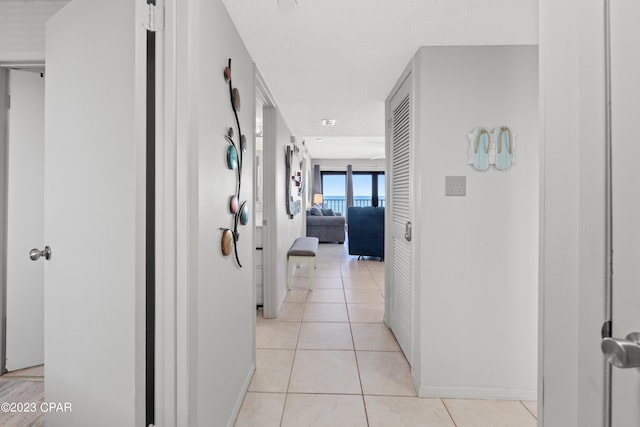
x,y
23,207
22,232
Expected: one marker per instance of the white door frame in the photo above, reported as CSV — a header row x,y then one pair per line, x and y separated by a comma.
x,y
572,213
269,233
173,243
4,87
608,282
167,228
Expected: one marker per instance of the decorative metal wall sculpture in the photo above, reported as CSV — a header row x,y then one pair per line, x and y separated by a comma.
x,y
234,153
294,206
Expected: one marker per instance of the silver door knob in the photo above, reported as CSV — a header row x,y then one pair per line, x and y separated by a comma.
x,y
622,353
35,254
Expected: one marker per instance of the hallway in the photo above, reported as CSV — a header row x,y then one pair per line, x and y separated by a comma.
x,y
328,360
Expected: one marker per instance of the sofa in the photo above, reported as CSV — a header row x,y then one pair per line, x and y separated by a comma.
x,y
325,225
366,231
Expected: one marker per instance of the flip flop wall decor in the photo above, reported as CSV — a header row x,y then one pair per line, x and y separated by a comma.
x,y
504,147
502,144
481,146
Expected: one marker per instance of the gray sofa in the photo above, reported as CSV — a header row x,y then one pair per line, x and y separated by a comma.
x,y
326,226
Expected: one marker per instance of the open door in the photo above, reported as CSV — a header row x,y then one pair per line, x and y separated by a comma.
x,y
400,209
25,221
623,351
95,214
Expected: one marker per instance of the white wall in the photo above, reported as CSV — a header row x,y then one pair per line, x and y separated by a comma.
x,y
281,228
222,330
572,212
22,28
478,254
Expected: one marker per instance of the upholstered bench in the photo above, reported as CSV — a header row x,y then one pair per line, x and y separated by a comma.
x,y
303,251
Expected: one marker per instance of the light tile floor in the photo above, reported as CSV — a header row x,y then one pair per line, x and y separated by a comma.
x,y
329,360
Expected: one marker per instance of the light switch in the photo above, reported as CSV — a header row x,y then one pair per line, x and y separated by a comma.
x,y
455,185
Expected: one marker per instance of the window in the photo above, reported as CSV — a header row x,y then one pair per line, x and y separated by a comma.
x,y
382,190
368,190
362,189
334,191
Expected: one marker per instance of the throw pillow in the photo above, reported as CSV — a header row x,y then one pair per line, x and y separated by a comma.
x,y
315,211
327,212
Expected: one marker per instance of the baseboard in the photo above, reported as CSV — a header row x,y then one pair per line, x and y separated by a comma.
x,y
476,393
416,382
240,399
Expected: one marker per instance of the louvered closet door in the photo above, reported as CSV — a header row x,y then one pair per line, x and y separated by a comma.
x,y
401,213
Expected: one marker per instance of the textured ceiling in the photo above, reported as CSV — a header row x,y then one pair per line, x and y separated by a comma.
x,y
339,59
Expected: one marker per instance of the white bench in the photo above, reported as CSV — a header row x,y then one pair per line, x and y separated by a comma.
x,y
303,251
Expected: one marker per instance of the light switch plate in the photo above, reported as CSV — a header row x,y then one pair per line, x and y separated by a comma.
x,y
455,185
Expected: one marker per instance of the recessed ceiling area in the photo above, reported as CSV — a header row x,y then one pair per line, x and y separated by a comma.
x,y
340,59
353,147
22,26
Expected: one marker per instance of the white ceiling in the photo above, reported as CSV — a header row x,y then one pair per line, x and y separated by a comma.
x,y
332,59
339,59
22,29
340,147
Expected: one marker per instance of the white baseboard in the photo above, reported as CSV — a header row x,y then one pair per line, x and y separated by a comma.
x,y
240,399
476,393
416,383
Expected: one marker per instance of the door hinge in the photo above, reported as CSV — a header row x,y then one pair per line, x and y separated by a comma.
x,y
151,15
8,101
606,329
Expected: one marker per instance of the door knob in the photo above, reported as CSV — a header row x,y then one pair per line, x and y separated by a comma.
x,y
622,353
35,254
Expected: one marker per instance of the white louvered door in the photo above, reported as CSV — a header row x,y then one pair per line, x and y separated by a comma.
x,y
400,214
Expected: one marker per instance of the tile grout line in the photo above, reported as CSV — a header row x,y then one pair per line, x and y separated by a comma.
x,y
293,362
535,416
355,355
364,402
448,412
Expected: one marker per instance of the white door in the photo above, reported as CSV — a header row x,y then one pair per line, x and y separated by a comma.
x,y
94,214
25,217
400,210
625,69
